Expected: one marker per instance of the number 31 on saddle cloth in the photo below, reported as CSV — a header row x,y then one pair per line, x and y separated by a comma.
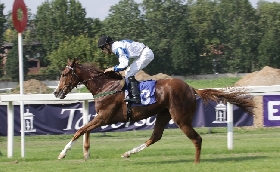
x,y
147,92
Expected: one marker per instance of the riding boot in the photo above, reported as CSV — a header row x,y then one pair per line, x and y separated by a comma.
x,y
134,93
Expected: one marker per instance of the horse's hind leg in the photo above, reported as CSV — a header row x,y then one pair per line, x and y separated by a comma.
x,y
182,111
194,137
161,120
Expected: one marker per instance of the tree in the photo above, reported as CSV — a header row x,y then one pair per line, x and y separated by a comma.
x,y
2,22
77,47
58,19
240,35
96,27
125,21
163,19
2,28
184,54
12,63
269,23
207,29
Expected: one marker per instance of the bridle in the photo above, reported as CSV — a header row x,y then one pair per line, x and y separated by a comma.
x,y
71,85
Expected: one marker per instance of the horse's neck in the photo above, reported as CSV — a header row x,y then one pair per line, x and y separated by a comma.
x,y
102,86
98,82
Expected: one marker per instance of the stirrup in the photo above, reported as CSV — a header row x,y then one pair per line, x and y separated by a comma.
x,y
133,100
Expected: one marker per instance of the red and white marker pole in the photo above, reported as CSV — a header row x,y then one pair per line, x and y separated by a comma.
x,y
19,25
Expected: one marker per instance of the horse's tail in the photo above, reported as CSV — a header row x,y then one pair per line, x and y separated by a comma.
x,y
236,96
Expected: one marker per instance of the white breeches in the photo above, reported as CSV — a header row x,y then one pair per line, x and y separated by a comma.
x,y
139,63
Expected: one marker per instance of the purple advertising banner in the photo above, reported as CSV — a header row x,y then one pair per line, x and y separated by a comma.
x,y
271,110
41,119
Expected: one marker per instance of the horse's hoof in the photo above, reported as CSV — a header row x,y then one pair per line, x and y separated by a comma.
x,y
86,156
126,155
61,156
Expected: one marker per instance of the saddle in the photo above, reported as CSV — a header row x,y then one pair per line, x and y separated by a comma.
x,y
146,93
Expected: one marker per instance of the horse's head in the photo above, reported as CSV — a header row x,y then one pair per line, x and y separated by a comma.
x,y
74,74
68,80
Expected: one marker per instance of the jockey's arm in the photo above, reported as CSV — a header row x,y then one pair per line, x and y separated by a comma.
x,y
123,60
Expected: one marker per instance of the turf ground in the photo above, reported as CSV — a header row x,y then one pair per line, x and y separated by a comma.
x,y
255,150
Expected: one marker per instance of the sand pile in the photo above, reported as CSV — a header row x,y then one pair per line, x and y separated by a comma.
x,y
33,86
141,75
266,77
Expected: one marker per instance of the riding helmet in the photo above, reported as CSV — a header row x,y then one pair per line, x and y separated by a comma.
x,y
103,40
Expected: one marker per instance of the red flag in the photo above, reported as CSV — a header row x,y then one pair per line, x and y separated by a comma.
x,y
19,24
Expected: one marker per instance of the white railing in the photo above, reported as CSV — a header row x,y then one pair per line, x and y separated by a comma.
x,y
39,98
85,97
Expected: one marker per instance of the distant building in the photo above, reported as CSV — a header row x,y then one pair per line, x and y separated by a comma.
x,y
33,57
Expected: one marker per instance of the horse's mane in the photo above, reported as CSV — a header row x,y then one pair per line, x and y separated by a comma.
x,y
94,67
91,66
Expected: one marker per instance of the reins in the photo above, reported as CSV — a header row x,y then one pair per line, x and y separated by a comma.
x,y
106,93
91,78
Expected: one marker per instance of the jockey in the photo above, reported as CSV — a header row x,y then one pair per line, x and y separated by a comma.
x,y
126,49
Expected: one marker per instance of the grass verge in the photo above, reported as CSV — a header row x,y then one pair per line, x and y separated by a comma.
x,y
254,150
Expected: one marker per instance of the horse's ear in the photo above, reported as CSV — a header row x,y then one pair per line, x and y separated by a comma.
x,y
71,63
76,60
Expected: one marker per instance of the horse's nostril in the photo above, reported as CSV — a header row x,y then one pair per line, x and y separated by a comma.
x,y
55,93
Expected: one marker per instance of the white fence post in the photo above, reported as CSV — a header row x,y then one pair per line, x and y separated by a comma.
x,y
85,117
10,113
230,126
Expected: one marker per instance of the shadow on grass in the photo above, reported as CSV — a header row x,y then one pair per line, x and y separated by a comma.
x,y
104,135
227,159
237,159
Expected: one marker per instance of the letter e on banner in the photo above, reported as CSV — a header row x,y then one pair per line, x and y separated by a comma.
x,y
272,110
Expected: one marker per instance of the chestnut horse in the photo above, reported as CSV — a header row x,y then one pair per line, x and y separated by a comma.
x,y
175,99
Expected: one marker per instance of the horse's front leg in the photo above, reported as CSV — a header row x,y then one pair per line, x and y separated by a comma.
x,y
95,123
69,144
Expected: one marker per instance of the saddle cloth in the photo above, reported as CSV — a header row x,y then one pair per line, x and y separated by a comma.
x,y
147,92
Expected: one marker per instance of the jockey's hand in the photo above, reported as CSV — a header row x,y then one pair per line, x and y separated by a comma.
x,y
109,69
